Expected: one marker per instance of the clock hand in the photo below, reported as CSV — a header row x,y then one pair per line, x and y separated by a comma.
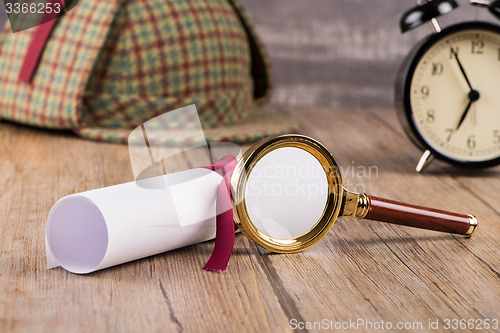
x,y
473,96
464,114
461,68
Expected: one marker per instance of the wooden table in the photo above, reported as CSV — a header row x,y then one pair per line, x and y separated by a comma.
x,y
362,270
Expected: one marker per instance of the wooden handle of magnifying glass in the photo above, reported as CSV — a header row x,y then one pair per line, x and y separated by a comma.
x,y
389,211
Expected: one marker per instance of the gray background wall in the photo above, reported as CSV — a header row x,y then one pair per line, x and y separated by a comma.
x,y
338,52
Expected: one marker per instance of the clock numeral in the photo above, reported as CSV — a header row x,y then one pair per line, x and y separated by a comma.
x,y
477,47
471,142
453,51
425,91
496,137
437,68
431,116
450,132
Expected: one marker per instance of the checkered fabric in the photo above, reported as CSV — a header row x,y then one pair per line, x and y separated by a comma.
x,y
109,66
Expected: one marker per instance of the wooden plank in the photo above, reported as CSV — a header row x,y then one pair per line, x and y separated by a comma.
x,y
424,275
166,292
361,270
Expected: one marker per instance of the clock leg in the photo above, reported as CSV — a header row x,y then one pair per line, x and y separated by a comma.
x,y
435,25
425,160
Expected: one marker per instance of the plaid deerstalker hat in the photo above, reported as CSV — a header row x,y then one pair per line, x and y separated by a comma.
x,y
108,66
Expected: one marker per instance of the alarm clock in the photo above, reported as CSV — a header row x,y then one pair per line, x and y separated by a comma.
x,y
448,88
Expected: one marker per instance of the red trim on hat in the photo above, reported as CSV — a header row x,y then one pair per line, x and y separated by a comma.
x,y
36,47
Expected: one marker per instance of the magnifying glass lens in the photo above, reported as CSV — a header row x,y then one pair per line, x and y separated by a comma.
x,y
286,193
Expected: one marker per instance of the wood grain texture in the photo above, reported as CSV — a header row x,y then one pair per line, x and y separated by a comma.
x,y
361,270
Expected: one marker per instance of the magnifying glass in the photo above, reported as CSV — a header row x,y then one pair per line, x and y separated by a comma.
x,y
288,192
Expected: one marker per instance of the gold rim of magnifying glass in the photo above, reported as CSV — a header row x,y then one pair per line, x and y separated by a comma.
x,y
243,170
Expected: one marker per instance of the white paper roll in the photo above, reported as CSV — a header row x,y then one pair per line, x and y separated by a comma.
x,y
109,226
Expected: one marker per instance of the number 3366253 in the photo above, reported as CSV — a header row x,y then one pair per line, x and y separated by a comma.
x,y
33,8
477,324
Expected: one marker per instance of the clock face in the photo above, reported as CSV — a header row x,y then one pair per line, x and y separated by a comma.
x,y
453,93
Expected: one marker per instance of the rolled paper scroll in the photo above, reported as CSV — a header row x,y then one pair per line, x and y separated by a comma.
x,y
163,210
97,229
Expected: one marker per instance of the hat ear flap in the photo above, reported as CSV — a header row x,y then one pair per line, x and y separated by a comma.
x,y
261,65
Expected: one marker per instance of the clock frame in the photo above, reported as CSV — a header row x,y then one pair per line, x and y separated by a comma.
x,y
403,92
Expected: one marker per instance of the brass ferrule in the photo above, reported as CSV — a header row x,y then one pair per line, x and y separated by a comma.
x,y
363,206
354,205
473,225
